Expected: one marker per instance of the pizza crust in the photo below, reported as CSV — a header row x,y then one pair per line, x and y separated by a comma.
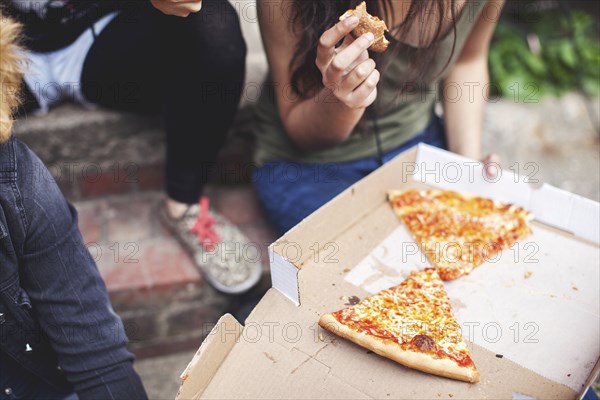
x,y
390,349
369,23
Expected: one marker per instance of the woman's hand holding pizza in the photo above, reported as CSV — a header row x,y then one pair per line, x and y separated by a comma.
x,y
347,70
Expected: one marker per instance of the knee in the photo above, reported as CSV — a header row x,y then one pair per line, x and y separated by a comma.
x,y
216,31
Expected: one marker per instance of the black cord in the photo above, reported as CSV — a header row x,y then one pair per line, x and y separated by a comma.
x,y
373,116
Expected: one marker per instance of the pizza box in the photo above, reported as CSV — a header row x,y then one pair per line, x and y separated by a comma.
x,y
530,315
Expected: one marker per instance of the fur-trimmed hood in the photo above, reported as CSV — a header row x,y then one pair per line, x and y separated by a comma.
x,y
10,73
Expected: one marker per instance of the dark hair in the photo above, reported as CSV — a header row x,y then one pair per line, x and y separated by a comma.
x,y
310,18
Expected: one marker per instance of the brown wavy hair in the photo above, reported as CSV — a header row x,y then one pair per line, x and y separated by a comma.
x,y
310,18
11,65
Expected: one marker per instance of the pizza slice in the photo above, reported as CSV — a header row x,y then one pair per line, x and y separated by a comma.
x,y
369,23
412,324
459,232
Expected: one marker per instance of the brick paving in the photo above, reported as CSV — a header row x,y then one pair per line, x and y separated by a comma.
x,y
153,283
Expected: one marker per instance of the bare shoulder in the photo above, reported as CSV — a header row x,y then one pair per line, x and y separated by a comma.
x,y
477,44
280,44
274,17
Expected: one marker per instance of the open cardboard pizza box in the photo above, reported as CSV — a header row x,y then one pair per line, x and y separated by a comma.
x,y
530,315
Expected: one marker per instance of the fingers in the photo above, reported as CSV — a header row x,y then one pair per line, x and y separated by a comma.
x,y
357,75
343,61
366,93
183,9
356,85
331,37
491,165
179,8
349,54
347,70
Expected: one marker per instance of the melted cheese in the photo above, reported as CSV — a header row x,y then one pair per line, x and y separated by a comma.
x,y
458,233
418,306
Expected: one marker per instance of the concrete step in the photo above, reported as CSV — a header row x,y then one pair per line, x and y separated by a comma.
x,y
95,153
153,284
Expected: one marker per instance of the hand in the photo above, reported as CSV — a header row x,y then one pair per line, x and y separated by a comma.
x,y
491,165
347,70
179,8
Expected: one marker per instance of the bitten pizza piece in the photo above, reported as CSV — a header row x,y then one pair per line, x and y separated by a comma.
x,y
459,232
412,324
369,23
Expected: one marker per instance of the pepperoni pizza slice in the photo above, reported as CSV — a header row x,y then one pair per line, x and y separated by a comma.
x,y
459,232
412,324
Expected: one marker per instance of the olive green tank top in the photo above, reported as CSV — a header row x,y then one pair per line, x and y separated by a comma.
x,y
401,114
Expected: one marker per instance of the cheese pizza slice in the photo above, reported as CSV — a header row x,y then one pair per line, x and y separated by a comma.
x,y
458,232
412,324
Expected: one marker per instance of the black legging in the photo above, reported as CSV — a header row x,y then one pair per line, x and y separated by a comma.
x,y
191,69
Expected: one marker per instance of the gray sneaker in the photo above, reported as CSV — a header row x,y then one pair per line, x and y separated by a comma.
x,y
229,261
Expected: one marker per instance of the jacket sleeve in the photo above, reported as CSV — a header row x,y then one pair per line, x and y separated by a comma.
x,y
68,296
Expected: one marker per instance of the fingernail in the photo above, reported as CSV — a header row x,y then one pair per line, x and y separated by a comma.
x,y
369,36
351,20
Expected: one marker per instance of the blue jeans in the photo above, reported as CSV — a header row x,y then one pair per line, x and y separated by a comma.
x,y
290,191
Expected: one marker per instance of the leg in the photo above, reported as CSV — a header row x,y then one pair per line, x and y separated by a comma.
x,y
290,192
191,67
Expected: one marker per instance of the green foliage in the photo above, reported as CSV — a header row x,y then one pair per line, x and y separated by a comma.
x,y
516,72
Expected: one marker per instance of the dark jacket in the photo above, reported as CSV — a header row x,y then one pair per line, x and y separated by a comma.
x,y
57,328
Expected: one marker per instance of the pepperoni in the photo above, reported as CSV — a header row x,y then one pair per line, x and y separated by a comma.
x,y
424,343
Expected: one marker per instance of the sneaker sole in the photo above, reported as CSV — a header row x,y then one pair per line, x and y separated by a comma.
x,y
236,289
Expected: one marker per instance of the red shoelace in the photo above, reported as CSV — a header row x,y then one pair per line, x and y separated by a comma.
x,y
204,227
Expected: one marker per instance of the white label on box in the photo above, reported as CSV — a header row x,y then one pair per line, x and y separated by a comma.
x,y
284,276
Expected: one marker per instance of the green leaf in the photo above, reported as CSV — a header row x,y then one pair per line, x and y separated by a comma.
x,y
562,60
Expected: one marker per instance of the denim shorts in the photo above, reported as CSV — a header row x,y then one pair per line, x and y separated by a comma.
x,y
290,191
